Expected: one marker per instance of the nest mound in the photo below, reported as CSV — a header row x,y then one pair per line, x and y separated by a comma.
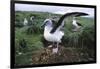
x,y
65,55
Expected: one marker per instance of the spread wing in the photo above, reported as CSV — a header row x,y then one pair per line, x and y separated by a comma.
x,y
60,23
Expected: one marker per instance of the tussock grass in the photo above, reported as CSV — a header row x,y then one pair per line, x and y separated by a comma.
x,y
75,47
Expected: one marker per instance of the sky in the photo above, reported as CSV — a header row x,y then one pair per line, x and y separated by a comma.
x,y
53,9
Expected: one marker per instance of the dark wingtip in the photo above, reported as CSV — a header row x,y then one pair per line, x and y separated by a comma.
x,y
81,14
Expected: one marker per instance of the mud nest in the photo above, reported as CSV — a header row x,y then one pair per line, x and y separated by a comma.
x,y
65,55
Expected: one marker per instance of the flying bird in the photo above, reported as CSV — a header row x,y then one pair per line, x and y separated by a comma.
x,y
53,33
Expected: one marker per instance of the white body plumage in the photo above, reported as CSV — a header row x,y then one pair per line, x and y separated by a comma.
x,y
52,37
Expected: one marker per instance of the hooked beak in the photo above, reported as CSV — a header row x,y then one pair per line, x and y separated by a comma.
x,y
44,23
42,26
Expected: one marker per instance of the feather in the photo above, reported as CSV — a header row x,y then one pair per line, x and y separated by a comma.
x,y
60,21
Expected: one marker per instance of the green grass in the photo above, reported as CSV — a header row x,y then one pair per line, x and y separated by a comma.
x,y
73,42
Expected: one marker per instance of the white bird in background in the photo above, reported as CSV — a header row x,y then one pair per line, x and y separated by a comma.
x,y
76,25
25,21
54,33
32,18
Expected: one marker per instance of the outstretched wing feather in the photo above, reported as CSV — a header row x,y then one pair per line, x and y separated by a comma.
x,y
59,24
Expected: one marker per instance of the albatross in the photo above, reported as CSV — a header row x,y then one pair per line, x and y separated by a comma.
x,y
53,37
76,25
54,33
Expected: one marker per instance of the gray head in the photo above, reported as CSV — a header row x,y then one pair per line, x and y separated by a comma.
x,y
47,22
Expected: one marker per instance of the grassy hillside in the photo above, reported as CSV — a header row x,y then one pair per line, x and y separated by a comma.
x,y
75,47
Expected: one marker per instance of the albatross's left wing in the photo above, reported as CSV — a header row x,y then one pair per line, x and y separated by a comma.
x,y
61,23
